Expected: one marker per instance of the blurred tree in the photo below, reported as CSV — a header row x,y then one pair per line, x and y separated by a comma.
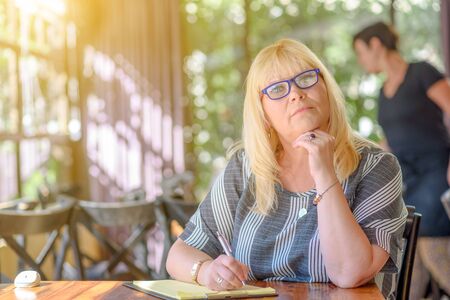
x,y
223,37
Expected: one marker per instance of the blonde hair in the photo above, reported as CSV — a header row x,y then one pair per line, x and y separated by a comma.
x,y
282,59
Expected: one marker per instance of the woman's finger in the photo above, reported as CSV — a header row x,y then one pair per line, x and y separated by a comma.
x,y
222,283
231,271
239,269
224,273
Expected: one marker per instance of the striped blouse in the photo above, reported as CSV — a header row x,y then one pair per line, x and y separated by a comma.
x,y
285,244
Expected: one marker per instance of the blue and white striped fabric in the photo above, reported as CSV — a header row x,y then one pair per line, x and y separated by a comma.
x,y
285,245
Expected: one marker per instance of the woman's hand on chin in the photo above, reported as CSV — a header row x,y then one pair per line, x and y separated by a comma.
x,y
320,147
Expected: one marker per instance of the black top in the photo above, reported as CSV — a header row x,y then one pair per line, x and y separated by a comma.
x,y
411,121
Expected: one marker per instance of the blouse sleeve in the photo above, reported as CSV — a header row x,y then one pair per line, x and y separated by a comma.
x,y
379,208
429,75
216,212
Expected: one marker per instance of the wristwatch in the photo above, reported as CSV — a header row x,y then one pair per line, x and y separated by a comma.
x,y
195,269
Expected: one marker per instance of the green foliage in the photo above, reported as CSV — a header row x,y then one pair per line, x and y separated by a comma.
x,y
46,175
223,36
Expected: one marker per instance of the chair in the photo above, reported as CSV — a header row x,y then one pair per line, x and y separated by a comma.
x,y
410,237
176,202
137,194
435,254
15,222
138,215
172,209
19,204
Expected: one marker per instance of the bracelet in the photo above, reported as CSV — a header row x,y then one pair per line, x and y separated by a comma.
x,y
196,269
319,196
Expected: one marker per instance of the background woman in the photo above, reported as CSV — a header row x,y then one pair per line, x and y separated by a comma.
x,y
411,105
412,101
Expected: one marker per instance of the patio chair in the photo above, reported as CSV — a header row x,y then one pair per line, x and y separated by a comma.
x,y
55,218
410,236
139,216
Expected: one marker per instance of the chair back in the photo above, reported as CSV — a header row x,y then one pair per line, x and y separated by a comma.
x,y
13,222
177,209
134,195
16,223
172,209
410,243
137,216
119,213
22,204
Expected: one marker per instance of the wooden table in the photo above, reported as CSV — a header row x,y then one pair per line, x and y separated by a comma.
x,y
61,290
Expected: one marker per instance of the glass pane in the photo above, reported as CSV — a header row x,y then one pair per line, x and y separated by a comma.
x,y
3,18
34,157
41,25
45,103
44,163
33,57
8,171
8,92
8,21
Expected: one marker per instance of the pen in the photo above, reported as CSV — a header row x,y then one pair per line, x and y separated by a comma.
x,y
226,247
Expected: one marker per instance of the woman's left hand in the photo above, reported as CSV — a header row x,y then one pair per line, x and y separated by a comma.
x,y
320,147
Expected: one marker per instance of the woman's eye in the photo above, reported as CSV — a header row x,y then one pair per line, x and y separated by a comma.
x,y
278,88
306,79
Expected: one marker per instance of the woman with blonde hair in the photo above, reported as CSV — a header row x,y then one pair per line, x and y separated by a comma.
x,y
303,198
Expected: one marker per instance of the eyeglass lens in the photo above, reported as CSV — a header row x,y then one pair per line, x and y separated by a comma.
x,y
303,80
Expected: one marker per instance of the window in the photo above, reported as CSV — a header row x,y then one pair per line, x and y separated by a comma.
x,y
39,105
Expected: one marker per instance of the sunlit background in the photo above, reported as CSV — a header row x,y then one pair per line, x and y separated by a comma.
x,y
223,36
91,96
100,97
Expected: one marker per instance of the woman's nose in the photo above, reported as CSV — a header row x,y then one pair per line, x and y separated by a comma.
x,y
296,93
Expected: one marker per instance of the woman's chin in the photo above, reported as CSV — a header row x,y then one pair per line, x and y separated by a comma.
x,y
305,129
296,133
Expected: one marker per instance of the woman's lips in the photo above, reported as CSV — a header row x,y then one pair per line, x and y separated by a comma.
x,y
300,110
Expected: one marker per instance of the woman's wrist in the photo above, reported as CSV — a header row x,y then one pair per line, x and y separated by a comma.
x,y
319,195
202,272
325,181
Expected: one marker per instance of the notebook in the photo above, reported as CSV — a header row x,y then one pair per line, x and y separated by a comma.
x,y
174,289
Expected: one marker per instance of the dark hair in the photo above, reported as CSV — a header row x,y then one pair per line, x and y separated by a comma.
x,y
385,33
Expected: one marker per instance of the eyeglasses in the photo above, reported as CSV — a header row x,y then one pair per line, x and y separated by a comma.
x,y
281,89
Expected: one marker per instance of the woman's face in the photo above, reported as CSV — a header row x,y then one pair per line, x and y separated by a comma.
x,y
300,111
367,57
